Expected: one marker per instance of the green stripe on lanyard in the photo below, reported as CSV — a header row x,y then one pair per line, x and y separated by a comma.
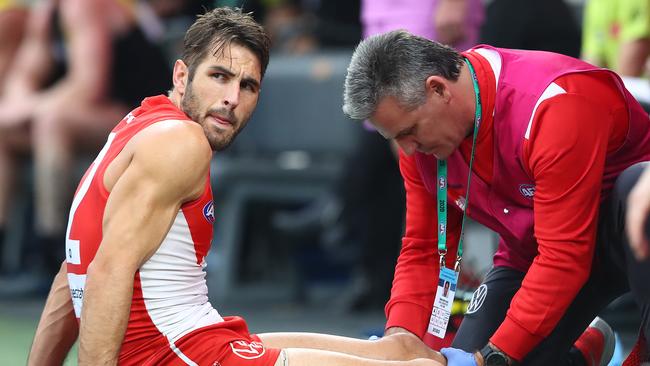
x,y
442,184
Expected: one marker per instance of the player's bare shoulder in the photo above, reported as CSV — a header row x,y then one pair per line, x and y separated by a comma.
x,y
175,152
176,141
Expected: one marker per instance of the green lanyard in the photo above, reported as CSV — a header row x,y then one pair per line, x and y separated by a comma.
x,y
442,185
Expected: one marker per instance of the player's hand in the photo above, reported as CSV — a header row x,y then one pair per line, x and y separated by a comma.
x,y
449,21
458,357
638,208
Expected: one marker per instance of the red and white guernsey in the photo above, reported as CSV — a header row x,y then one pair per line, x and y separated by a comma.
x,y
170,296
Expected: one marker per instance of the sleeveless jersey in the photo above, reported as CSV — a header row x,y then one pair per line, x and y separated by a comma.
x,y
170,296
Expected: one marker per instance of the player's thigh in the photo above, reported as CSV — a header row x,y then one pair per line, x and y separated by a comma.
x,y
313,357
222,344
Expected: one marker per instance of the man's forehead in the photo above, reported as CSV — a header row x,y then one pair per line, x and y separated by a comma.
x,y
387,116
235,58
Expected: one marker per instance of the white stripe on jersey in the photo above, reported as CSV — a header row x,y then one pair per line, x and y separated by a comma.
x,y
181,355
494,59
174,287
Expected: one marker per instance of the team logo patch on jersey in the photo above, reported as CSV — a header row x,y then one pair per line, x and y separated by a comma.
x,y
208,212
527,190
477,299
247,350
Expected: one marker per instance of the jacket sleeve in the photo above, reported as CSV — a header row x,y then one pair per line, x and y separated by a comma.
x,y
417,270
566,157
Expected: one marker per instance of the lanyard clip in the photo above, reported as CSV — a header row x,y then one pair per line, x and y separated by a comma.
x,y
442,253
457,265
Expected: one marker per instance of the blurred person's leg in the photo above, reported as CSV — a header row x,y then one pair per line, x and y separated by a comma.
x,y
33,63
13,21
57,133
12,143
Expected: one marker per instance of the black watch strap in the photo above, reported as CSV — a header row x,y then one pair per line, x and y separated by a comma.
x,y
493,357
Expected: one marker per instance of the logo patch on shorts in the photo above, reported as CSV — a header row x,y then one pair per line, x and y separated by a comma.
x,y
208,212
478,297
247,350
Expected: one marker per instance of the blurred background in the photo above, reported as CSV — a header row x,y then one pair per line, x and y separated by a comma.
x,y
309,205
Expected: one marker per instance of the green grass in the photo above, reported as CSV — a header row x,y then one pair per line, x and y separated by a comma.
x,y
16,335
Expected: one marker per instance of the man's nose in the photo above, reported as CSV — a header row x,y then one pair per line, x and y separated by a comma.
x,y
231,97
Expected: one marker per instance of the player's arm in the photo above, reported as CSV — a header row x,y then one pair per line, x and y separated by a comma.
x,y
169,166
57,330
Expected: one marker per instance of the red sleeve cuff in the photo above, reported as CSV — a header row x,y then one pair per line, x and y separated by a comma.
x,y
514,340
409,316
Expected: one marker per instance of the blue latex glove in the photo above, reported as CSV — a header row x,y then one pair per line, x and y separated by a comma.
x,y
458,357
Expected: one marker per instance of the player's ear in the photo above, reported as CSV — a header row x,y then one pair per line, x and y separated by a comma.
x,y
180,76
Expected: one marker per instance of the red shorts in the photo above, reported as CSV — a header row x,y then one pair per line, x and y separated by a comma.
x,y
225,344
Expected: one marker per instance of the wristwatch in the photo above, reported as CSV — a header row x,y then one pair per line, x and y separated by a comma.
x,y
493,357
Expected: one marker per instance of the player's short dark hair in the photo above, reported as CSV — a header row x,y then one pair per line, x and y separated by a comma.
x,y
215,30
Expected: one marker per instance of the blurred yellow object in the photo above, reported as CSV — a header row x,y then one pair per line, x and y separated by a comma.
x,y
9,4
459,307
6,4
127,3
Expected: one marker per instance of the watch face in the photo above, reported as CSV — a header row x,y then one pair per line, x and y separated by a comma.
x,y
496,359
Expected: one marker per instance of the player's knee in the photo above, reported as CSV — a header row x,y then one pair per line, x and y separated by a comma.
x,y
405,345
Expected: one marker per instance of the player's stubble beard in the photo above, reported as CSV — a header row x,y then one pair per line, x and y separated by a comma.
x,y
218,139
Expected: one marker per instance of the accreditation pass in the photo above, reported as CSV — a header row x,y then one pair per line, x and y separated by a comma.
x,y
443,302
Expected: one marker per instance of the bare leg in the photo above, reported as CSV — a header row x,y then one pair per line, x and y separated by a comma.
x,y
399,346
52,157
13,22
312,357
10,143
55,135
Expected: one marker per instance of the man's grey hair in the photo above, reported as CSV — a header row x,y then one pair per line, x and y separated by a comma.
x,y
395,64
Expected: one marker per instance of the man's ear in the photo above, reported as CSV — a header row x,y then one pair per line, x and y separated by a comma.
x,y
180,76
437,85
